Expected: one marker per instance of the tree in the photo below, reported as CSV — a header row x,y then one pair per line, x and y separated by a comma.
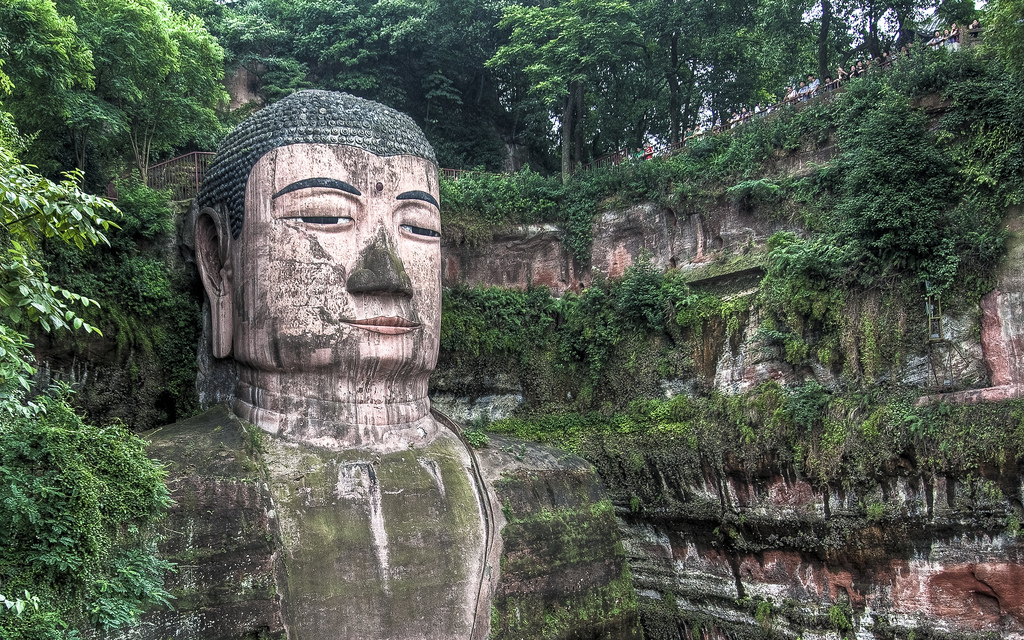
x,y
47,64
180,105
565,49
158,76
1005,32
32,209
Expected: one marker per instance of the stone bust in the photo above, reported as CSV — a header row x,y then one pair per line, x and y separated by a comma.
x,y
327,499
318,243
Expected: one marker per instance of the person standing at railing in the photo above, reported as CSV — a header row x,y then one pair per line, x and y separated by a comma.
x,y
812,85
802,92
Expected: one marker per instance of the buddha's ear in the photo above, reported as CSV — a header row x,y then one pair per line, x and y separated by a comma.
x,y
213,256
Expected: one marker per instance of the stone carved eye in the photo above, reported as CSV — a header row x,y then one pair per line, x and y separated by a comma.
x,y
323,219
420,231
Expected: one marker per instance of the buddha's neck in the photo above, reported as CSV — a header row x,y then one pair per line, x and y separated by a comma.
x,y
329,410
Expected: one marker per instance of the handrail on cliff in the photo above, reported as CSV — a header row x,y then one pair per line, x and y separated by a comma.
x,y
183,175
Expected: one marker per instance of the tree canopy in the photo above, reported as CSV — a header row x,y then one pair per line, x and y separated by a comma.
x,y
106,85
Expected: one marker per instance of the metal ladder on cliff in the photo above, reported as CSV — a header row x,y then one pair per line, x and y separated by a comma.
x,y
943,374
933,307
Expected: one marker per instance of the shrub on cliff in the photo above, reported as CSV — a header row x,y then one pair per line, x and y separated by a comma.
x,y
79,504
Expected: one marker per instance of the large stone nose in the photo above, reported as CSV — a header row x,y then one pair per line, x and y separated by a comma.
x,y
379,270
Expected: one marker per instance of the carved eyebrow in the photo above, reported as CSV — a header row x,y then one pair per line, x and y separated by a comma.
x,y
309,183
418,195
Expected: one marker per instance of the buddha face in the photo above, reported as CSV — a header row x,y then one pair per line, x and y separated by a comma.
x,y
337,266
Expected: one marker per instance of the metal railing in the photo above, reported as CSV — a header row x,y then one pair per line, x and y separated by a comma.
x,y
182,175
455,174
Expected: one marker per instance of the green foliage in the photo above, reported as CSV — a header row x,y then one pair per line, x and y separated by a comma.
x,y
476,203
806,405
837,617
491,320
476,437
20,604
150,305
80,504
639,298
875,511
563,48
1005,32
32,210
754,192
147,212
44,60
102,79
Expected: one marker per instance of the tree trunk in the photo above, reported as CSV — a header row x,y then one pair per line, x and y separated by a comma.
x,y
826,22
141,141
567,136
874,48
673,90
578,126
81,138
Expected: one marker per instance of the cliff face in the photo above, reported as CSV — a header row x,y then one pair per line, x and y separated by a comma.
x,y
745,548
757,552
535,256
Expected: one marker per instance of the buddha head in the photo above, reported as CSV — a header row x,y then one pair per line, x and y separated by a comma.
x,y
318,244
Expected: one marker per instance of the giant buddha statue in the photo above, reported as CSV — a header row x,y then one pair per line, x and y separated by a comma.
x,y
326,500
318,244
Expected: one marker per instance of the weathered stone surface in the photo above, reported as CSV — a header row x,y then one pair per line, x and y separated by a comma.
x,y
1002,327
487,409
534,255
517,258
220,532
303,542
388,545
935,558
563,568
241,85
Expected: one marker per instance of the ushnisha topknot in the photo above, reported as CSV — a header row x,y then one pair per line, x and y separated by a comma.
x,y
310,116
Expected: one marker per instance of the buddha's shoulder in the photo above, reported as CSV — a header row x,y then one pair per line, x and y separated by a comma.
x,y
213,443
531,478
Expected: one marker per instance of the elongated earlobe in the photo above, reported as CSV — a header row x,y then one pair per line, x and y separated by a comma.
x,y
213,256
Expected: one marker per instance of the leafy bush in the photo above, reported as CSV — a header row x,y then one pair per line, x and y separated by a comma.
x,y
639,297
149,304
79,505
147,212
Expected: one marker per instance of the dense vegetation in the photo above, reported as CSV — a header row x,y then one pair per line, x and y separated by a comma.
x,y
111,85
79,503
911,203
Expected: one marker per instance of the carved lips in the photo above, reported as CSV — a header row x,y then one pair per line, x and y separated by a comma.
x,y
388,325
